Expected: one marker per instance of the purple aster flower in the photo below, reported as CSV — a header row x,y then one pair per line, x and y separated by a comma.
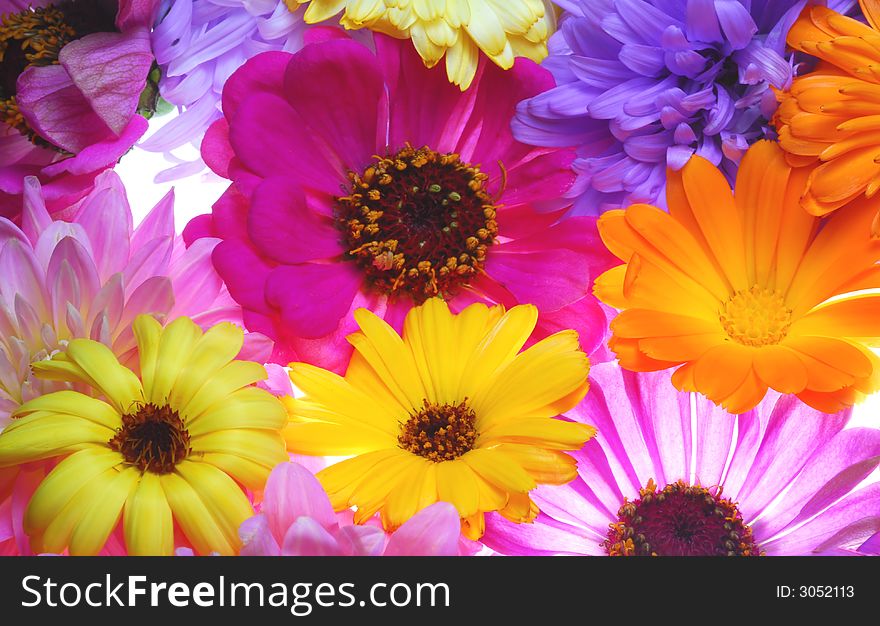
x,y
644,84
198,45
673,474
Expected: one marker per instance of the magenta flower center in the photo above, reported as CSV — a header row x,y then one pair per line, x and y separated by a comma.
x,y
154,439
680,520
418,222
439,432
34,38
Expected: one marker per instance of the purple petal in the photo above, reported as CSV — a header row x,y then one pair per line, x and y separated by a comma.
x,y
307,537
543,537
293,492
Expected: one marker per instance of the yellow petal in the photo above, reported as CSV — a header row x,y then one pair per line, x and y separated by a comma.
x,y
69,402
96,524
549,433
118,384
148,524
64,482
264,446
176,343
457,484
500,470
248,472
226,381
223,498
194,518
147,332
250,407
39,437
542,375
218,346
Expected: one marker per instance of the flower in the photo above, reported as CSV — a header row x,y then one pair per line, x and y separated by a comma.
x,y
162,451
297,520
746,291
784,476
450,412
644,84
502,29
826,118
198,44
89,278
362,178
73,73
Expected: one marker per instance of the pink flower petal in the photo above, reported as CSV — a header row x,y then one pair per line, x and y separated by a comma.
x,y
245,274
543,537
433,531
256,537
34,216
263,73
306,537
313,297
285,148
134,13
106,218
216,149
293,492
353,128
361,540
286,229
159,222
57,110
110,70
93,158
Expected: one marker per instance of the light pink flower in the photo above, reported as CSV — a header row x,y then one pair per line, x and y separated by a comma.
x,y
91,277
82,109
297,520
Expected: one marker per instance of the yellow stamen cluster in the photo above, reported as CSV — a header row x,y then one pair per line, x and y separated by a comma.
x,y
756,317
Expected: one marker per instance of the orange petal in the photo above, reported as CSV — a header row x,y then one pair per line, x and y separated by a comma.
x,y
856,316
722,370
781,369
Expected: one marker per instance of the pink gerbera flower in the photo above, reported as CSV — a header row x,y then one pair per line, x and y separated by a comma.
x,y
671,474
363,179
90,278
296,519
72,76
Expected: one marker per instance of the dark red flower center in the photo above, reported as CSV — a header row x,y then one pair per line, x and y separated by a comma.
x,y
418,222
34,38
153,438
439,432
680,520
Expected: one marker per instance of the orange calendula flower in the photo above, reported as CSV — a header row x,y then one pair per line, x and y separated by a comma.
x,y
745,291
833,113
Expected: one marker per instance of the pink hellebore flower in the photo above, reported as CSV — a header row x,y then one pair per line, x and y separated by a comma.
x,y
68,110
297,520
360,178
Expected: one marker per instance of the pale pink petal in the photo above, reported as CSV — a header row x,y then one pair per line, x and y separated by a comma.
x,y
256,538
110,70
433,531
543,537
833,471
158,223
793,433
293,492
150,260
22,276
196,283
361,540
34,216
106,217
306,537
846,524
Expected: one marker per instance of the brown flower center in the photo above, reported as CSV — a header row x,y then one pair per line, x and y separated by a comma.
x,y
680,520
439,432
154,439
418,222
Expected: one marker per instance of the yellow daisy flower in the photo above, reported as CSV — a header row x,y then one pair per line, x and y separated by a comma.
x,y
169,449
458,29
452,411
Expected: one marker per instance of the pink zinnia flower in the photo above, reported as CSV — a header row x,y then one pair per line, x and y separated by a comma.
x,y
91,277
71,79
782,479
297,520
363,179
